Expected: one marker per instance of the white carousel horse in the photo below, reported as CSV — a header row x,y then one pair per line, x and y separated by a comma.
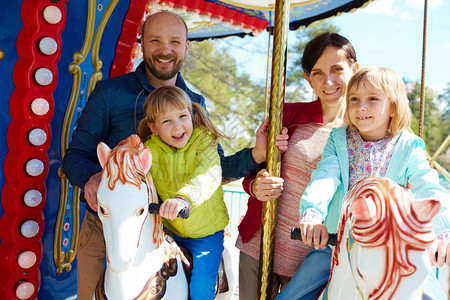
x,y
141,264
227,281
381,252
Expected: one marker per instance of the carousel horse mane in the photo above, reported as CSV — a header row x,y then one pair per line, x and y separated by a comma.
x,y
383,213
123,163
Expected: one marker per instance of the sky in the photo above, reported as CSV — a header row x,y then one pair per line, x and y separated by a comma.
x,y
386,33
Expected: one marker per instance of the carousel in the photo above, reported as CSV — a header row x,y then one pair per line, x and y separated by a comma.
x,y
52,54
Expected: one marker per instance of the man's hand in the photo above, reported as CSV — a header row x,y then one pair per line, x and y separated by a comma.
x,y
439,253
266,188
314,234
171,207
90,190
260,149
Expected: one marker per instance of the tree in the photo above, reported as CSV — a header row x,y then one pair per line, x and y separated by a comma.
x,y
239,103
434,120
444,99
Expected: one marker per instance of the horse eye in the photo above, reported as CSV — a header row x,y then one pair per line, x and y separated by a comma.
x,y
103,210
140,212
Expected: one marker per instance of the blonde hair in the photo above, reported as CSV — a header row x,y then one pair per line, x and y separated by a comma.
x,y
392,85
157,102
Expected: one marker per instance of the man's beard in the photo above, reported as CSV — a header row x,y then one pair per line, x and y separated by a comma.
x,y
165,74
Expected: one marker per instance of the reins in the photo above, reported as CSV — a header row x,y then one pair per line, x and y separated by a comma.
x,y
144,180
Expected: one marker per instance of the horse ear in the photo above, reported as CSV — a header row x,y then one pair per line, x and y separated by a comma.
x,y
136,141
145,156
363,209
425,209
103,152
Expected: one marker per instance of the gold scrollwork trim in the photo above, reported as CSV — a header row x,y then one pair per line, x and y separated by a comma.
x,y
95,77
96,62
74,69
63,259
80,56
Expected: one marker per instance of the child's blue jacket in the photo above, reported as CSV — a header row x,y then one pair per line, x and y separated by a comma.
x,y
330,181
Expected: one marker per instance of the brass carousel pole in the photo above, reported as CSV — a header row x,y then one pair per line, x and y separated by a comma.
x,y
282,8
422,80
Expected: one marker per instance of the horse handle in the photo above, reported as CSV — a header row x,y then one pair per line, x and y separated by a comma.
x,y
153,208
296,235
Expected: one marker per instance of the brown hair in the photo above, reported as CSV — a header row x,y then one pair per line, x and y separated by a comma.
x,y
157,101
315,47
392,85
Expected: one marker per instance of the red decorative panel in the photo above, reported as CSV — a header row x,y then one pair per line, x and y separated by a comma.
x,y
26,164
222,11
124,58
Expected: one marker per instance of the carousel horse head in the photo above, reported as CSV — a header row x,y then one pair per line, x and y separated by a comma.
x,y
125,191
383,234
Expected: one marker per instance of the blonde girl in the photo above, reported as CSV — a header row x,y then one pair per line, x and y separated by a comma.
x,y
186,172
375,143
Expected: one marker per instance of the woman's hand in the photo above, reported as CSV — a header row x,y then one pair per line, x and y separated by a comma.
x,y
171,207
439,253
314,234
266,188
260,150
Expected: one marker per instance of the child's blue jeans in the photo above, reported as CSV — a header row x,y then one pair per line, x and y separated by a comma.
x,y
206,254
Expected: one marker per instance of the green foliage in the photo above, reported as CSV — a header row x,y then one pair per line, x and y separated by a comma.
x,y
435,122
239,103
444,98
444,102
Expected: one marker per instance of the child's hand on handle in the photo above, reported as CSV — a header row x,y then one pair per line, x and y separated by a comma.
x,y
266,188
314,234
439,253
171,207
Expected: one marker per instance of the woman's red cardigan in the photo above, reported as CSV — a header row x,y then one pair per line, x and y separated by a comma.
x,y
293,114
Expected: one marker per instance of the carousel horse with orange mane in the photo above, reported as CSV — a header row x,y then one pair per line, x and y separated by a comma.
x,y
142,261
382,237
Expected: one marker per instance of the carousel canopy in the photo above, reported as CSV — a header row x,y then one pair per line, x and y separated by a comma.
x,y
218,19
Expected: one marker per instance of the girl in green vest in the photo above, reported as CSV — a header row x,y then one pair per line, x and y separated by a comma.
x,y
187,174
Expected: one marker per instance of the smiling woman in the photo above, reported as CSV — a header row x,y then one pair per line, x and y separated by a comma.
x,y
328,78
329,60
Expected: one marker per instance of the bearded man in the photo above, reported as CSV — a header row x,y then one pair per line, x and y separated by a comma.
x,y
113,112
